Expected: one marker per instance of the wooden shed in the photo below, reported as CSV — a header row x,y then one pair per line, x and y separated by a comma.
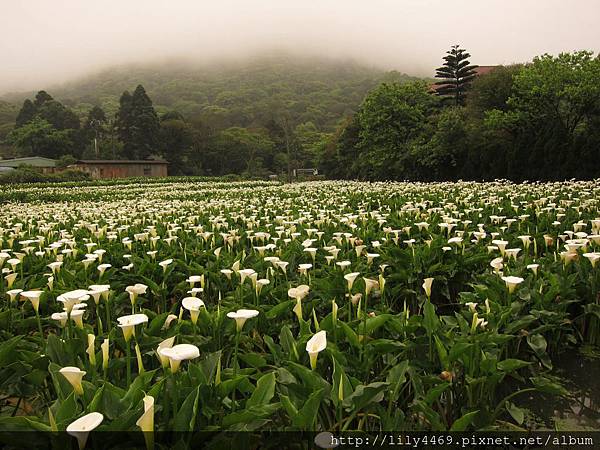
x,y
116,168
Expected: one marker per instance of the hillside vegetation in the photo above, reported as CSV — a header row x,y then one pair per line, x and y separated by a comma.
x,y
245,94
216,119
534,121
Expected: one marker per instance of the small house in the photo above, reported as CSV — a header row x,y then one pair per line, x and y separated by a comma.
x,y
44,165
116,168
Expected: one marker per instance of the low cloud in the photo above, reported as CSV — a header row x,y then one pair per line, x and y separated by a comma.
x,y
48,42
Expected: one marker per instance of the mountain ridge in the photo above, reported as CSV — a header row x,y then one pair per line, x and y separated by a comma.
x,y
330,88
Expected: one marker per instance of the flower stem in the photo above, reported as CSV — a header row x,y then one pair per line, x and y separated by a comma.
x,y
107,306
128,353
175,394
39,323
235,366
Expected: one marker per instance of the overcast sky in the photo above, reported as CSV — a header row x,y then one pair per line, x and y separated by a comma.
x,y
43,42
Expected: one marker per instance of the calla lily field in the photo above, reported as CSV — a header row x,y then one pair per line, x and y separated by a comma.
x,y
182,306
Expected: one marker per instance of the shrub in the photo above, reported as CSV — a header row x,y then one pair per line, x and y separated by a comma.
x,y
29,175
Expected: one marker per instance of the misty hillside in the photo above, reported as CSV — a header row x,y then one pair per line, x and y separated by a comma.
x,y
245,94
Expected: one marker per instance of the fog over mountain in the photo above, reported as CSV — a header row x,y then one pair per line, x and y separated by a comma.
x,y
44,43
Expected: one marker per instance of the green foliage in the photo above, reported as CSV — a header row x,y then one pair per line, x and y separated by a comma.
x,y
25,174
460,356
177,139
46,128
65,161
492,91
552,118
377,144
137,124
536,121
313,94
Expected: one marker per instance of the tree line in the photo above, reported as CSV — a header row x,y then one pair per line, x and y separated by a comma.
x,y
535,121
45,127
255,118
539,120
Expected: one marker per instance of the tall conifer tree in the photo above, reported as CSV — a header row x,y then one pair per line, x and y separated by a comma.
x,y
138,124
457,73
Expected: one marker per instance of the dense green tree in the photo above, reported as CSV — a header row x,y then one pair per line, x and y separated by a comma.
x,y
239,150
318,90
40,98
177,140
551,117
46,127
457,73
52,111
39,138
391,116
562,91
96,118
341,152
31,136
311,143
26,114
534,121
138,125
171,115
492,90
58,115
440,152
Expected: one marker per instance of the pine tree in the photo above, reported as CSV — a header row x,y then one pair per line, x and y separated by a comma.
x,y
457,73
138,124
123,123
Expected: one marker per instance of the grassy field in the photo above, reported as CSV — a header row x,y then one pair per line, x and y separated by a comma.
x,y
338,306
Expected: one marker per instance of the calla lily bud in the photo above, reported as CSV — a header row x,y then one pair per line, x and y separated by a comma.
x,y
474,323
90,349
298,309
105,355
427,283
381,283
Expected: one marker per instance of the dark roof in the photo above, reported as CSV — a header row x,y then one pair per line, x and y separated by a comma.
x,y
482,70
122,161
